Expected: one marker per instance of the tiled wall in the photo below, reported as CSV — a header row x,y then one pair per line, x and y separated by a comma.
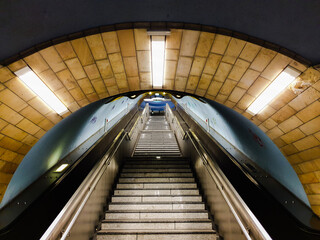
x,y
226,69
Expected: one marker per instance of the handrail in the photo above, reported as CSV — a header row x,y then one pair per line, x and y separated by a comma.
x,y
145,114
174,118
243,215
237,206
69,214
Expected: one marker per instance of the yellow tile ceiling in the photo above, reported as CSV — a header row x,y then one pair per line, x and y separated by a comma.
x,y
223,68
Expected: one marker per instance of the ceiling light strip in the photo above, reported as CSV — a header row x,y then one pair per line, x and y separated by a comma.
x,y
157,53
282,81
32,81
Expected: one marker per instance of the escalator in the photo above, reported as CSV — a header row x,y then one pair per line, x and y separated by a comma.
x,y
149,175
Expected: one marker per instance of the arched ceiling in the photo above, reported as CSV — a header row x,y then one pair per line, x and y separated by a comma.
x,y
290,24
225,66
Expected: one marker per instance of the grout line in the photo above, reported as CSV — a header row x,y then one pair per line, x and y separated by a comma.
x,y
205,63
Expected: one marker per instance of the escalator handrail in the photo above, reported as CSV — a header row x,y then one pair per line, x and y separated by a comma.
x,y
248,223
69,214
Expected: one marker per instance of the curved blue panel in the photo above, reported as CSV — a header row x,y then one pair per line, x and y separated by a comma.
x,y
64,137
246,137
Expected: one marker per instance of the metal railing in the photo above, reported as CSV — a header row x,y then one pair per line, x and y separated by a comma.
x,y
63,223
141,121
173,121
249,224
65,220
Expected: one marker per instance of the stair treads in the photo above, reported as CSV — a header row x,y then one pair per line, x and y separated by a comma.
x,y
156,153
161,174
156,199
166,166
156,206
156,146
167,158
156,170
150,198
158,224
158,214
155,179
156,192
156,185
153,161
177,235
157,139
158,163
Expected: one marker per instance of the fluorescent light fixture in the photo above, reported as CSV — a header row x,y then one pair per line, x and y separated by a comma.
x,y
157,52
32,81
159,33
62,167
282,81
158,157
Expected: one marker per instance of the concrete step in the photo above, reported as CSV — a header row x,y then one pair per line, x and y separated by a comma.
x,y
156,214
159,143
164,174
160,185
125,206
151,162
153,224
159,165
156,235
155,179
150,198
157,153
167,158
156,192
161,147
156,198
155,170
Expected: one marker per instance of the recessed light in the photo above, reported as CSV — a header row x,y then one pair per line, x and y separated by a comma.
x,y
157,53
282,81
62,167
32,81
159,33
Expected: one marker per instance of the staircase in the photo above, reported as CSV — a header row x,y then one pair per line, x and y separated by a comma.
x,y
157,139
157,197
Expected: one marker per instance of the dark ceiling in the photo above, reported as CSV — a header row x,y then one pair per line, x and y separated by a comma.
x,y
292,24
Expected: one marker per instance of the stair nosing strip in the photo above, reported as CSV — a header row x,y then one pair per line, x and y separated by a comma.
x,y
158,232
157,220
156,177
160,211
153,203
158,183
154,195
156,189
